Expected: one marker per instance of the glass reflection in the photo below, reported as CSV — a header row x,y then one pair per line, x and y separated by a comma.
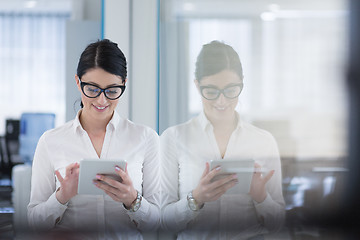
x,y
202,203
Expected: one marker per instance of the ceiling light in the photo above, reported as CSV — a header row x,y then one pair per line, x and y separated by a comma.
x,y
30,4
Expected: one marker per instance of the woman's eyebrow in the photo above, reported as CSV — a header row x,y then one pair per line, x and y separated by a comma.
x,y
209,85
232,84
111,85
226,86
114,85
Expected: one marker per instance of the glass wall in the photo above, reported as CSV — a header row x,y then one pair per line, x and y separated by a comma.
x,y
293,55
293,58
32,58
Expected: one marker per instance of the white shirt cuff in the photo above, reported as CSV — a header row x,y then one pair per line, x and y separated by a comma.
x,y
56,208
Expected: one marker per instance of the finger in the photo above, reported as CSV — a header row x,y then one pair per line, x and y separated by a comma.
x,y
76,165
206,170
116,185
124,175
76,172
58,175
70,168
212,174
109,180
226,186
223,181
105,187
114,193
268,176
256,169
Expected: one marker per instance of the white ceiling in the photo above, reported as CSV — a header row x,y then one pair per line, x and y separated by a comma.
x,y
248,8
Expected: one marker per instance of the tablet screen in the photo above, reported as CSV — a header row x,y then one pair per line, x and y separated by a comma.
x,y
90,167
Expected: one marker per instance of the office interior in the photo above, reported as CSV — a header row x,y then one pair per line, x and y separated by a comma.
x,y
294,56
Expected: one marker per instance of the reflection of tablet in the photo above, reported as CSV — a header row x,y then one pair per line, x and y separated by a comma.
x,y
90,167
244,170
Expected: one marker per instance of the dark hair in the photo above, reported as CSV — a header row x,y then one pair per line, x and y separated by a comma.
x,y
215,57
103,54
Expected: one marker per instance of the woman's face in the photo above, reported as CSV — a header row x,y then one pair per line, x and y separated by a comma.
x,y
99,108
221,107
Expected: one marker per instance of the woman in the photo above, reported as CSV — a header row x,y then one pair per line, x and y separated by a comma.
x,y
196,207
127,207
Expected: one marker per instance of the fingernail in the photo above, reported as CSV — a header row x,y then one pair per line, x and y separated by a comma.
x,y
235,176
95,182
98,176
117,168
218,168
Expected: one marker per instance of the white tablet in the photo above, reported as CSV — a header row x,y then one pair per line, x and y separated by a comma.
x,y
90,167
243,168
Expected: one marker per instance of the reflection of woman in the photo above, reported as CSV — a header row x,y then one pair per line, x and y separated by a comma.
x,y
97,132
196,207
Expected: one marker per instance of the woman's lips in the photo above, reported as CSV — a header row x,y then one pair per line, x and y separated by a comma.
x,y
100,108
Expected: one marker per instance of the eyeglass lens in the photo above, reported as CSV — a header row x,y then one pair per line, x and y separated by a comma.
x,y
212,93
93,91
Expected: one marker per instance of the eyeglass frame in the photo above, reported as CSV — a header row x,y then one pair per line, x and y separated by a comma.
x,y
102,90
221,91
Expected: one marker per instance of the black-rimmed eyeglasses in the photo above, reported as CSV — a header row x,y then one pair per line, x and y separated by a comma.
x,y
212,93
93,91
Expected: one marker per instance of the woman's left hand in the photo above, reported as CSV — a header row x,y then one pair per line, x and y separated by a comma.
x,y
123,191
258,182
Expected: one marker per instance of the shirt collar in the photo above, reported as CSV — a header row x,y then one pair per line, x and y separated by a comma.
x,y
205,123
114,122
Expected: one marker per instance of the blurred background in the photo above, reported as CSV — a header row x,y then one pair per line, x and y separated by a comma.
x,y
294,56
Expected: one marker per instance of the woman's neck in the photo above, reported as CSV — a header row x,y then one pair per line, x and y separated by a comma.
x,y
224,124
91,125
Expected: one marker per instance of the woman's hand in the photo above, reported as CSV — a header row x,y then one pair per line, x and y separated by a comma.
x,y
69,184
258,182
123,191
208,190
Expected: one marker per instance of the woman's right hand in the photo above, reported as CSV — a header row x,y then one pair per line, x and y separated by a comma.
x,y
207,190
69,184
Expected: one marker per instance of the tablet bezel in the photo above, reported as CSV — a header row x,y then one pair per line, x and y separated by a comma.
x,y
88,170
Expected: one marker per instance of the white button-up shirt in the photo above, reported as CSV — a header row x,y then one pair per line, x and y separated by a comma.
x,y
96,216
184,151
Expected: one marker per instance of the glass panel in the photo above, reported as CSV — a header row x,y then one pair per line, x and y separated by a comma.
x,y
293,57
32,57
